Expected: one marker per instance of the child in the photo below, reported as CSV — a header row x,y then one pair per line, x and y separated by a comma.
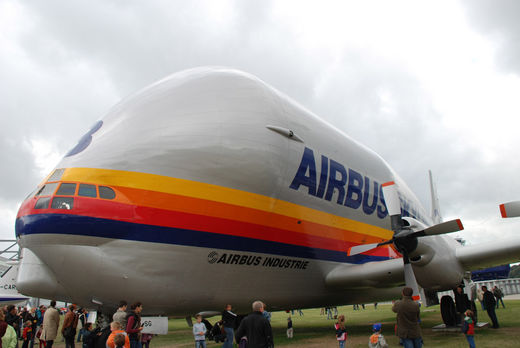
x,y
341,331
119,340
27,334
377,340
468,328
289,328
199,331
88,341
115,327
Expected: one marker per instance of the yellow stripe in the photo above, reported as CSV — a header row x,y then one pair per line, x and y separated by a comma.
x,y
221,194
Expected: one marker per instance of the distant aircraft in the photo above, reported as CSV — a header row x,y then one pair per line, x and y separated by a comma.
x,y
210,187
8,291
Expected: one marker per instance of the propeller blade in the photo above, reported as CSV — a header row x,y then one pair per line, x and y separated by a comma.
x,y
393,204
442,228
358,249
511,209
409,279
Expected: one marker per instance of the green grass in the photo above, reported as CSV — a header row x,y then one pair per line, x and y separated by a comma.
x,y
314,330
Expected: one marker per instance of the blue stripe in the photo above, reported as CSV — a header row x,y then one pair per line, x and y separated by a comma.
x,y
114,229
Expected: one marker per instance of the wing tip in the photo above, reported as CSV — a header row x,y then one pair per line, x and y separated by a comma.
x,y
461,227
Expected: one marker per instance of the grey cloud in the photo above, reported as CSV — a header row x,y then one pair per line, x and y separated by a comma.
x,y
498,20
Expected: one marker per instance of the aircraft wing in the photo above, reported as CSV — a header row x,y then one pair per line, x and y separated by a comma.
x,y
486,255
378,274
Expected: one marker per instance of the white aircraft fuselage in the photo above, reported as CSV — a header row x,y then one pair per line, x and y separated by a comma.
x,y
210,187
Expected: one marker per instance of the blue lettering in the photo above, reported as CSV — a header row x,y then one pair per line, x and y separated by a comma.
x,y
355,183
307,164
369,209
323,176
382,212
339,184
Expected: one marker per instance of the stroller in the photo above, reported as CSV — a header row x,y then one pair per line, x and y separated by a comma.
x,y
217,334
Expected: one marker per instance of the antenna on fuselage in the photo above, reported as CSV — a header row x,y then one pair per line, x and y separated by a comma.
x,y
436,209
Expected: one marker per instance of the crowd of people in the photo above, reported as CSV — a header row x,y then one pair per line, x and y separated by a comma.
x,y
252,331
43,324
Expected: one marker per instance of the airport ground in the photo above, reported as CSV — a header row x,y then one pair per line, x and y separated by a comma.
x,y
314,331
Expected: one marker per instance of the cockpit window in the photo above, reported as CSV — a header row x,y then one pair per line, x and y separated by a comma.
x,y
106,192
66,189
47,189
62,203
87,190
56,175
42,203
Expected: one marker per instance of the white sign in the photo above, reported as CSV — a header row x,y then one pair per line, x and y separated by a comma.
x,y
91,317
155,325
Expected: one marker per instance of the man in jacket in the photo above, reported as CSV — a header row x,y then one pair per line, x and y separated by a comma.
x,y
489,303
256,328
228,322
120,314
51,322
462,303
70,323
408,328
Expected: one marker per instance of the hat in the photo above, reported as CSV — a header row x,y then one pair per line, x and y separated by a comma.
x,y
376,327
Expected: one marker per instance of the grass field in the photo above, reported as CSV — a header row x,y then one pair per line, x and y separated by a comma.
x,y
314,330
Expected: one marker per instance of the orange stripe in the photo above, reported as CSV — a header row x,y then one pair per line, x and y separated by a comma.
x,y
390,183
198,206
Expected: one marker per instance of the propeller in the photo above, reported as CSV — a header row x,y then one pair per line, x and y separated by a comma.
x,y
405,238
511,209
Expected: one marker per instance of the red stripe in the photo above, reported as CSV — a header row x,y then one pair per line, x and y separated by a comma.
x,y
167,218
503,210
390,183
460,225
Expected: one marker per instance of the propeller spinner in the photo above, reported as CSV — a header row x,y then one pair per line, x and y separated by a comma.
x,y
405,238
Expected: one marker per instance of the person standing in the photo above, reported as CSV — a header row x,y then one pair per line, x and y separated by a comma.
x,y
120,314
9,338
133,325
70,323
377,340
489,303
51,322
408,328
12,318
341,331
498,295
289,328
199,332
31,316
468,328
27,334
228,321
82,320
256,328
462,303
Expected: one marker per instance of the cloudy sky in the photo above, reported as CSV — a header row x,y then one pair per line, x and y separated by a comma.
x,y
427,85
